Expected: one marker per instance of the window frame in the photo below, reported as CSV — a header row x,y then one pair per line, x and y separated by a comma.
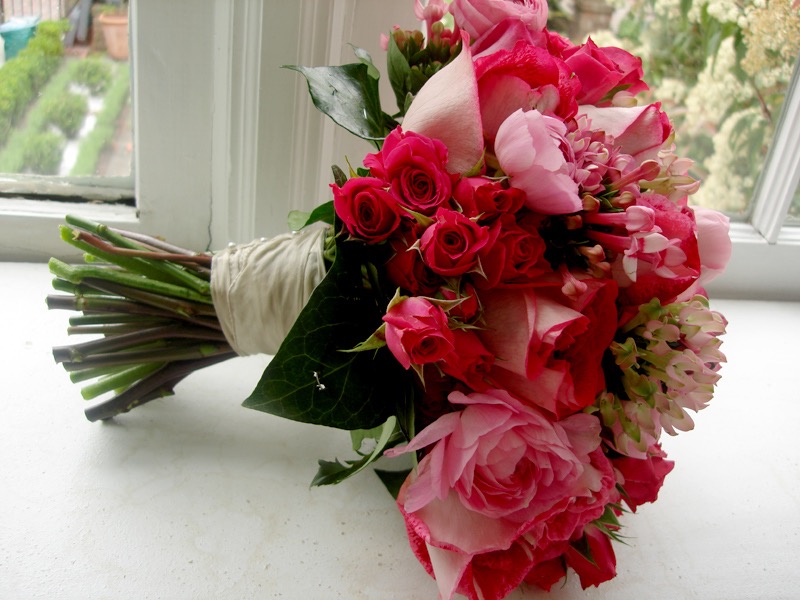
x,y
209,150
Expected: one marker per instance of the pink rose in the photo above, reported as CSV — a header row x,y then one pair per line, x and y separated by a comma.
x,y
414,166
368,211
525,77
530,149
496,473
451,246
638,130
604,71
477,17
602,565
642,478
548,347
417,332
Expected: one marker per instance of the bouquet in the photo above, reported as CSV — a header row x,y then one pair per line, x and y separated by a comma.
x,y
509,291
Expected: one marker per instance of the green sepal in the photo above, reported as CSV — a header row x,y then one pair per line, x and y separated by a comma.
x,y
339,177
392,480
385,436
311,380
323,213
349,96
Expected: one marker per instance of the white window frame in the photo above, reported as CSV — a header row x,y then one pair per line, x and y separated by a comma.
x,y
226,143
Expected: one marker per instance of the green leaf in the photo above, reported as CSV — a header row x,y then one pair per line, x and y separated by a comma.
x,y
311,380
393,480
399,73
383,436
348,95
323,213
339,177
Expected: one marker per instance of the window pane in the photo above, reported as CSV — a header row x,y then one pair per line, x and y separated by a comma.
x,y
65,89
721,69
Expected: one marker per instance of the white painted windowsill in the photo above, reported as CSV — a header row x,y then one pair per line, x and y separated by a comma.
x,y
196,497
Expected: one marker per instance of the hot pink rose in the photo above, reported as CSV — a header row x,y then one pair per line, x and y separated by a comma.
x,y
548,347
452,245
638,130
417,332
642,478
530,148
414,166
477,17
603,71
368,211
525,77
496,473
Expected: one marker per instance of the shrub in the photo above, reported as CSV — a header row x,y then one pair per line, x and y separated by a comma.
x,y
67,113
42,153
93,73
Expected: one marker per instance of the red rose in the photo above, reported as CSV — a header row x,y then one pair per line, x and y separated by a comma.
x,y
604,70
469,362
417,332
602,565
643,477
368,211
415,168
516,258
406,269
486,200
451,246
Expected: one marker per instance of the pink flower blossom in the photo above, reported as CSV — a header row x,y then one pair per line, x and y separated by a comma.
x,y
639,130
530,149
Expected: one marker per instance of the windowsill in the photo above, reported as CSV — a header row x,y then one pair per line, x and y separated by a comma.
x,y
194,496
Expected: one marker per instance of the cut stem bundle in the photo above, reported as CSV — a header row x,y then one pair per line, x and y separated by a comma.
x,y
149,304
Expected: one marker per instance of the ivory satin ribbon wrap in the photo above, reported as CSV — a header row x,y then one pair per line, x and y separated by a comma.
x,y
260,288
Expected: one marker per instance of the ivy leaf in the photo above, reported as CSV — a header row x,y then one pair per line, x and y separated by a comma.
x,y
311,380
348,95
384,436
299,219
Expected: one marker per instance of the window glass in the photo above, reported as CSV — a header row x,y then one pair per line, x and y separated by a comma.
x,y
65,89
721,69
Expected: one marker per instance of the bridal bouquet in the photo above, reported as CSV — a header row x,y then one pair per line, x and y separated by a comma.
x,y
509,290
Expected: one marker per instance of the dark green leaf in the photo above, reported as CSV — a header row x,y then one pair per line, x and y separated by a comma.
x,y
393,480
311,380
348,95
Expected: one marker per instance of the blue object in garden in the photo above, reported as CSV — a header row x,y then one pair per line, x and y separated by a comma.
x,y
16,32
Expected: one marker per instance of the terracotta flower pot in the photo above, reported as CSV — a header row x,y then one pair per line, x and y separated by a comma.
x,y
115,33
